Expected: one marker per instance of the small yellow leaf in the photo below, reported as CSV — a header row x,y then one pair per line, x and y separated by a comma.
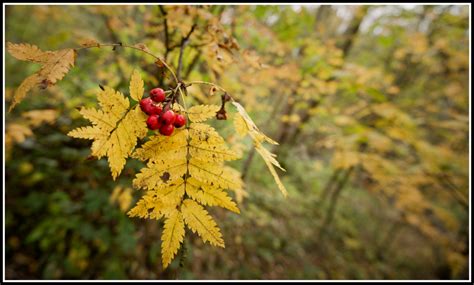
x,y
27,52
136,86
89,43
57,65
121,196
37,117
253,130
198,220
149,206
17,132
172,237
20,93
269,164
211,196
240,125
201,113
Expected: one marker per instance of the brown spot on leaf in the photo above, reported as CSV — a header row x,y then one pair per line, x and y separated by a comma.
x,y
165,177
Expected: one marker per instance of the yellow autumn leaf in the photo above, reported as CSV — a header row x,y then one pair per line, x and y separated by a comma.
x,y
172,237
54,66
115,128
252,129
189,162
37,117
199,220
245,125
210,196
122,197
201,113
240,125
136,86
26,85
28,52
264,154
17,133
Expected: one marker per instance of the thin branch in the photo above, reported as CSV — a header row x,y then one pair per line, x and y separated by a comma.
x,y
184,41
114,38
136,48
167,37
206,83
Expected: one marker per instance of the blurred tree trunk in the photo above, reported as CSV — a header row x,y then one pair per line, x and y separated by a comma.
x,y
329,185
334,198
323,15
352,30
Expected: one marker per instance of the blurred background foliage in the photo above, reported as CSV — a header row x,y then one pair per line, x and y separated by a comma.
x,y
369,104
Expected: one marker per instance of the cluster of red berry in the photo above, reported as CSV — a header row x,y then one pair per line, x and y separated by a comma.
x,y
159,119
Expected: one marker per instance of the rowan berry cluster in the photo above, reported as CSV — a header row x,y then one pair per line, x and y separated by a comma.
x,y
160,116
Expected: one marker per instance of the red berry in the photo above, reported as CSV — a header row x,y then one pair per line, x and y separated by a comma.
x,y
145,105
155,109
168,117
153,122
166,130
157,95
179,121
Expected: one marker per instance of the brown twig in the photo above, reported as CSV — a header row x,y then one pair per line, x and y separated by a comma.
x,y
184,41
136,48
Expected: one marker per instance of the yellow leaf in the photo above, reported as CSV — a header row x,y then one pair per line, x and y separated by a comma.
x,y
27,52
245,125
252,129
201,113
115,130
37,117
240,125
159,145
211,173
206,144
198,220
173,194
89,133
55,65
20,93
121,196
268,161
211,196
149,206
189,162
136,86
172,237
161,173
17,132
